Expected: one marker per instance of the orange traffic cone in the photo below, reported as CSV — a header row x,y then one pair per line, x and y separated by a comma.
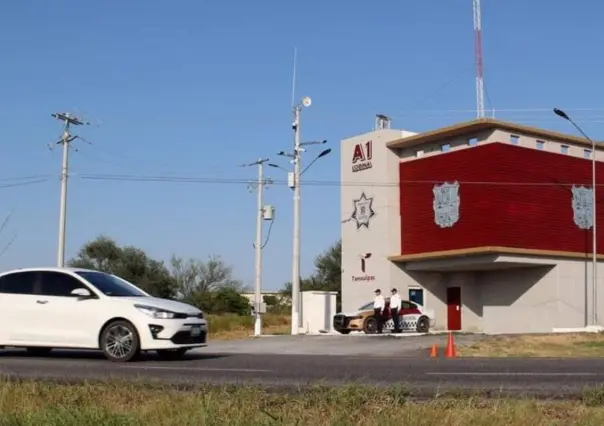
x,y
433,352
450,351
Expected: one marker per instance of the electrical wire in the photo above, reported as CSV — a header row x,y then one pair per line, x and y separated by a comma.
x,y
202,180
32,182
466,69
268,236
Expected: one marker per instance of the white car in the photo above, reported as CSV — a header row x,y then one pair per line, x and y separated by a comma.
x,y
45,308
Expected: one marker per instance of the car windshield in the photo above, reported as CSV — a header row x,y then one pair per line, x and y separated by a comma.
x,y
366,307
110,285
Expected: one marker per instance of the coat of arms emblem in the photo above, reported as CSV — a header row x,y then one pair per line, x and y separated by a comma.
x,y
446,204
582,206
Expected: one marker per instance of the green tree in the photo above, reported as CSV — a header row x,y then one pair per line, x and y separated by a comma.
x,y
328,268
209,285
128,262
327,275
276,304
230,300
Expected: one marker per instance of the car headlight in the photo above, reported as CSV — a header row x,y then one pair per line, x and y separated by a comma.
x,y
156,312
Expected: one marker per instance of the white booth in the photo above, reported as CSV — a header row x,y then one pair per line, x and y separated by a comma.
x,y
317,311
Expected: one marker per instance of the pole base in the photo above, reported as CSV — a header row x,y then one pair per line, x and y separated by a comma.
x,y
295,324
258,326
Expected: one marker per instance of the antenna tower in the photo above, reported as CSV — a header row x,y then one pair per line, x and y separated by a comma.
x,y
478,58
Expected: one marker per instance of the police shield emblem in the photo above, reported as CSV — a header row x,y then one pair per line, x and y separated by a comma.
x,y
363,211
446,204
582,207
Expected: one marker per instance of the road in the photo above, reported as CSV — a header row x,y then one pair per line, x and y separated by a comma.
x,y
421,375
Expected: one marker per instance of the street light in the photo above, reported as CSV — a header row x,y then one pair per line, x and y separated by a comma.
x,y
322,154
594,302
294,183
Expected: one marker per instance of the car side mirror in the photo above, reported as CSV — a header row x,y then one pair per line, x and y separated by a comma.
x,y
81,292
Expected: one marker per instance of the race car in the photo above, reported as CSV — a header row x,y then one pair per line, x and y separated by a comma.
x,y
412,317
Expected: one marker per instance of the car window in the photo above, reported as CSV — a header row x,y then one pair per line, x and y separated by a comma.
x,y
366,307
59,284
408,305
19,283
110,285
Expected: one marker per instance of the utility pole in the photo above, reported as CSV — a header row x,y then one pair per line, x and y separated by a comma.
x,y
262,213
296,244
68,120
293,181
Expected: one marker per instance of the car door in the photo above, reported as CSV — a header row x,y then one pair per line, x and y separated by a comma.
x,y
74,321
409,314
22,318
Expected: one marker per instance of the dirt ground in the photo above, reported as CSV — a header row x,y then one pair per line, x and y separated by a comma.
x,y
537,345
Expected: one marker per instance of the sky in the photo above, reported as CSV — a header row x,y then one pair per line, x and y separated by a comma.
x,y
196,88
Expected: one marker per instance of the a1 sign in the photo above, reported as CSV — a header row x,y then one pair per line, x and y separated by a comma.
x,y
361,157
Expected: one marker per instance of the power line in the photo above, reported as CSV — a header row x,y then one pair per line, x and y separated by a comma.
x,y
17,184
32,180
202,180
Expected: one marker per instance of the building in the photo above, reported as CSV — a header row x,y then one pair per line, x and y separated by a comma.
x,y
279,296
486,222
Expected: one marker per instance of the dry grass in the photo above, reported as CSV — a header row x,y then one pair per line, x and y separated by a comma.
x,y
38,404
538,345
230,327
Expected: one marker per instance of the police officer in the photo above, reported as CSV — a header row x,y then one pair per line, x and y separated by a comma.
x,y
395,307
378,309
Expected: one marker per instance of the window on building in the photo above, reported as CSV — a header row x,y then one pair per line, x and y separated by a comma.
x,y
445,147
587,153
416,295
564,149
514,139
540,144
419,153
473,141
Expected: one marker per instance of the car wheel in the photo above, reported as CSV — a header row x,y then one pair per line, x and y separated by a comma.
x,y
38,351
120,342
171,354
344,331
423,325
370,326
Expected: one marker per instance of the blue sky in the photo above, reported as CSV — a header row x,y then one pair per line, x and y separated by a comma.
x,y
198,87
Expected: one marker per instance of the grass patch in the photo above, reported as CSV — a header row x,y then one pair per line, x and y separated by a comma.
x,y
538,345
33,403
230,327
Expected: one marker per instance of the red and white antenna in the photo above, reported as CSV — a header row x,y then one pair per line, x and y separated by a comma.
x,y
478,57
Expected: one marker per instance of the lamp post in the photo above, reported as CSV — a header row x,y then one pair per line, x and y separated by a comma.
x,y
294,183
594,290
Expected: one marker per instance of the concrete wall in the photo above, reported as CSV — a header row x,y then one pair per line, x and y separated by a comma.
x,y
381,235
481,138
533,299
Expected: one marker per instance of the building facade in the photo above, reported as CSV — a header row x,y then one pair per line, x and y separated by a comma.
x,y
487,223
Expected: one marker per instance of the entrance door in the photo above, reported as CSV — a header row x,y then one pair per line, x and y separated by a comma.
x,y
454,308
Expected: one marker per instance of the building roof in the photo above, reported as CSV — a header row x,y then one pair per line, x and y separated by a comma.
x,y
478,125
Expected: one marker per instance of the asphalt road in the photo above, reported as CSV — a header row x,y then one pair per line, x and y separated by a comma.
x,y
420,375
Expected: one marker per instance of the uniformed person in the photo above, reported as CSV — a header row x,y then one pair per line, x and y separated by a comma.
x,y
378,309
395,308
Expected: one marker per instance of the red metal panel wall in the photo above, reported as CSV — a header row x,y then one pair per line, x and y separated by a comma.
x,y
534,213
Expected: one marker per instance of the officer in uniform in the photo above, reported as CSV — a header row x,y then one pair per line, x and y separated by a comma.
x,y
378,309
395,307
